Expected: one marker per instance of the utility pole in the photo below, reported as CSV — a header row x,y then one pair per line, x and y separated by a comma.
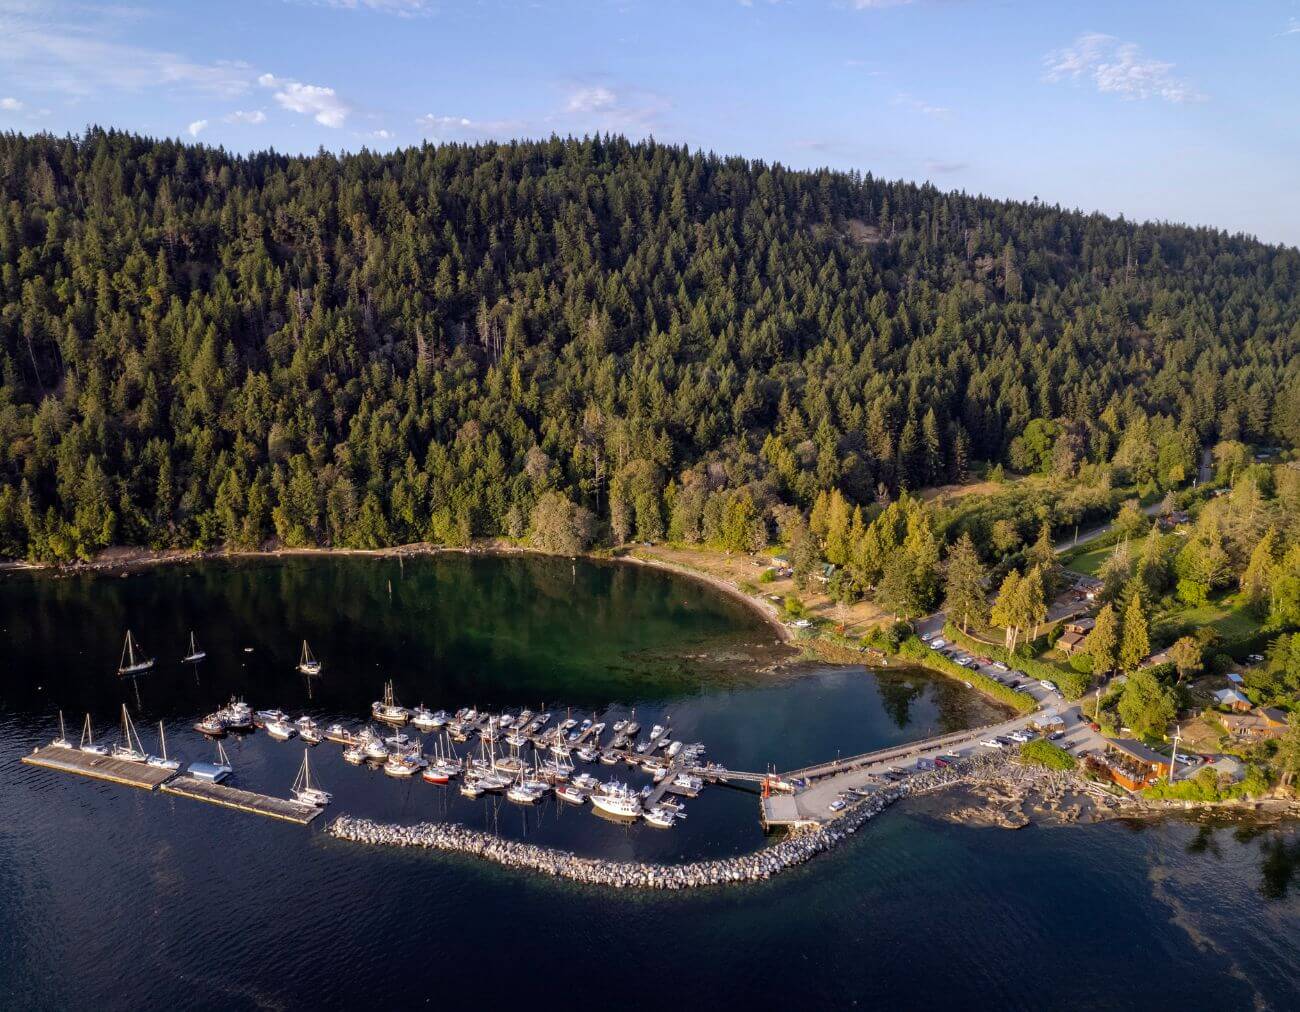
x,y
1173,757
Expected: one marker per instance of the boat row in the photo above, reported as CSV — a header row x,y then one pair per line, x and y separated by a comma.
x,y
135,660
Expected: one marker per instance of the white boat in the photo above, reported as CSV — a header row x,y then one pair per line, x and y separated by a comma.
x,y
354,754
589,753
571,794
307,792
425,719
398,740
617,799
586,781
688,784
387,709
405,763
609,758
673,749
619,725
493,781
311,734
471,788
195,655
62,740
632,728
280,730
308,664
522,793
265,717
162,762
375,749
212,725
129,749
133,661
236,715
657,732
660,817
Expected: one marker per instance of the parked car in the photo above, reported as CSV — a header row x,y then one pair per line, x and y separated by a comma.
x,y
938,643
838,805
926,637
1056,736
1000,666
924,764
991,743
1049,686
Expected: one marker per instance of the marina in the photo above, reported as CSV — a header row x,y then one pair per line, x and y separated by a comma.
x,y
241,800
99,767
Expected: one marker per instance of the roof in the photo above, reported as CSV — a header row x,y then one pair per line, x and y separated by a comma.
x,y
1230,696
1235,678
1135,749
1273,714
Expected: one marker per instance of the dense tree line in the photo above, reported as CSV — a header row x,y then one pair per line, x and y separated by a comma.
x,y
584,339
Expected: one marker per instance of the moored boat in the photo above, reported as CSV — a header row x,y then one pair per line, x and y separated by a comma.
x,y
307,792
571,794
129,749
195,655
162,762
307,664
133,661
280,730
387,710
62,740
618,799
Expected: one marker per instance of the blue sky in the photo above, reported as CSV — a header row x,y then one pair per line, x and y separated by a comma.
x,y
1185,111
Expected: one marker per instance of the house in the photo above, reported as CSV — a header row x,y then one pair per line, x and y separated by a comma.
x,y
1133,765
1260,724
1175,519
1048,722
1233,700
1076,632
1235,678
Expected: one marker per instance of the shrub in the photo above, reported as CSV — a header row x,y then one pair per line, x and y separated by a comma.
x,y
767,576
913,649
1081,663
1041,752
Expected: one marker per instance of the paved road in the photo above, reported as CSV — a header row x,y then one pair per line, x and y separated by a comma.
x,y
815,801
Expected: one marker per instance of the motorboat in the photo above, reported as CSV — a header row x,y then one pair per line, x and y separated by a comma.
x,y
673,749
471,788
657,732
213,772
88,743
311,734
588,753
265,717
133,661
571,794
280,730
387,709
586,782
425,719
307,792
337,732
619,725
236,715
354,754
660,817
686,784
398,740
617,799
609,758
375,749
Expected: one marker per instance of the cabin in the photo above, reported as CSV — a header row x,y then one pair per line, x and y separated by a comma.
x,y
1233,700
1261,724
1235,678
1133,765
1048,722
1076,632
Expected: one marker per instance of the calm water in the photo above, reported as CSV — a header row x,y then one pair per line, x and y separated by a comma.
x,y
127,900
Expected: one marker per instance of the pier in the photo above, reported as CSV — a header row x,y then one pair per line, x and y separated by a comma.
x,y
99,767
244,801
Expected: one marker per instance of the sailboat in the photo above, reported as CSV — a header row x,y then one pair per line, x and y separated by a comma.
x,y
162,762
305,791
62,740
195,655
133,661
88,740
308,664
130,748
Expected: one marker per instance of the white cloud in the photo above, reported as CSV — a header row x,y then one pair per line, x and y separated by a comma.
x,y
592,99
1292,27
10,105
868,5
72,49
320,103
401,8
252,116
1118,68
197,127
381,135
920,105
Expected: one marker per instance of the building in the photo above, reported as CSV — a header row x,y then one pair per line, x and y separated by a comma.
x,y
1235,678
1076,632
1048,722
1233,700
1133,765
1259,724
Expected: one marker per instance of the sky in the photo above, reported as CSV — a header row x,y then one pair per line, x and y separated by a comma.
x,y
1181,111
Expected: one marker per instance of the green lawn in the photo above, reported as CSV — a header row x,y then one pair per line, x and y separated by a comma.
x,y
1228,616
1090,561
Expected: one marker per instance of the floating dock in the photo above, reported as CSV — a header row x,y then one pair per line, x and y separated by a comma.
x,y
244,801
99,767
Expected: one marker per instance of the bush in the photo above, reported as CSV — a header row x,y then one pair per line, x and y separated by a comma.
x,y
1041,752
767,576
1081,663
913,649
1071,683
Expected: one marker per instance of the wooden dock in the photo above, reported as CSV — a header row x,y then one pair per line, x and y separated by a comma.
x,y
99,767
244,801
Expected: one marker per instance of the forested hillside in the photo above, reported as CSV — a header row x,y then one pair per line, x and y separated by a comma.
x,y
198,348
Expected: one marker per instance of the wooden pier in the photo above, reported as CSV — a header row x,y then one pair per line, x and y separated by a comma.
x,y
244,801
99,767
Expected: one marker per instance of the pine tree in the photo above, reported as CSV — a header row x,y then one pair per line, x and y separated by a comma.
x,y
1102,642
1135,646
964,599
1006,611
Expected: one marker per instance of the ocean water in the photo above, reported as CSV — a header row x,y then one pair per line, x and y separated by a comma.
x,y
124,899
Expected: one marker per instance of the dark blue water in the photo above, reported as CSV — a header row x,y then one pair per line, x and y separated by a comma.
x,y
123,899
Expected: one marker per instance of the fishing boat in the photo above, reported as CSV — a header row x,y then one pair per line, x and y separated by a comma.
x,y
213,772
195,655
571,794
62,740
375,749
471,788
133,661
162,762
425,719
589,753
339,733
609,758
88,740
618,799
354,754
265,717
212,725
280,730
387,709
129,749
398,740
403,764
236,715
586,781
311,734
308,664
307,792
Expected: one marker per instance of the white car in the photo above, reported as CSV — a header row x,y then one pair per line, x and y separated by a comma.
x,y
991,743
938,644
1049,686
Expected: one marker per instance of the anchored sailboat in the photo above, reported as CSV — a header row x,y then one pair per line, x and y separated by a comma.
x,y
308,664
307,792
195,655
133,661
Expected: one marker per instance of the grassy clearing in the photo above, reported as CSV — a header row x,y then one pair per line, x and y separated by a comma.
x,y
1089,562
1228,617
